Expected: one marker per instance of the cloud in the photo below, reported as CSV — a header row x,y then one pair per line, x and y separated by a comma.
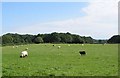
x,y
101,21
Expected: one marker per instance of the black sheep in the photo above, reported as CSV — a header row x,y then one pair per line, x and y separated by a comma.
x,y
82,52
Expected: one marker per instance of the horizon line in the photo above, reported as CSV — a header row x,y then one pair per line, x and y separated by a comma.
x,y
54,32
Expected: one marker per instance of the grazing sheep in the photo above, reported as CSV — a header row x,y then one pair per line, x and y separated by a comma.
x,y
82,44
68,44
13,46
82,52
59,47
24,53
26,49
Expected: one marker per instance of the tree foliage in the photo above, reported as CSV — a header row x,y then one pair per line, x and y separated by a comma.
x,y
55,37
38,40
77,39
7,39
114,39
13,39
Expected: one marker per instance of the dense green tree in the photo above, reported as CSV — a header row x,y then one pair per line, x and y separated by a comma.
x,y
17,39
102,41
114,39
55,37
11,39
77,39
66,38
28,38
7,39
38,40
88,39
47,38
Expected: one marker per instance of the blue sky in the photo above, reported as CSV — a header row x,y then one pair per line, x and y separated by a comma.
x,y
83,18
20,14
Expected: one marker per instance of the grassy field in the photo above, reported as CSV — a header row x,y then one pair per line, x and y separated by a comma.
x,y
48,60
0,61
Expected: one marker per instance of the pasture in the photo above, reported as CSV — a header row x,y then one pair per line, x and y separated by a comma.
x,y
49,60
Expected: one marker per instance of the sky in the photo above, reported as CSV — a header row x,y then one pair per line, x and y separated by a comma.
x,y
98,19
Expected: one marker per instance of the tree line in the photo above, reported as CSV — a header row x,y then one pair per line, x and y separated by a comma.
x,y
114,39
18,39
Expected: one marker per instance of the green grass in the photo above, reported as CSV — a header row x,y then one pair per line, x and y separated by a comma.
x,y
0,61
101,60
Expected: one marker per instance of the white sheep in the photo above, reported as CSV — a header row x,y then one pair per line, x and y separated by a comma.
x,y
82,44
59,47
26,49
68,44
24,54
13,46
